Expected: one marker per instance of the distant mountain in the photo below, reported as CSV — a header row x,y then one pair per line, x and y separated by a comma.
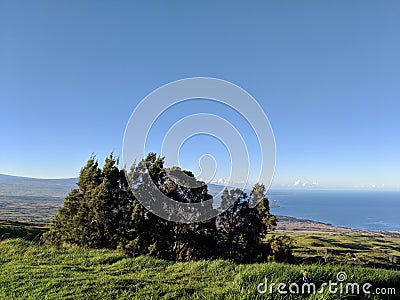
x,y
4,178
25,186
32,199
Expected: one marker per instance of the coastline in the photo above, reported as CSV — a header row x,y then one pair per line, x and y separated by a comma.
x,y
286,224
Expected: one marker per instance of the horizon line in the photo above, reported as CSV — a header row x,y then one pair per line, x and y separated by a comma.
x,y
278,186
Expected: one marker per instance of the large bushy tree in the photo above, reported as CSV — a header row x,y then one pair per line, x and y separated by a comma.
x,y
94,214
103,213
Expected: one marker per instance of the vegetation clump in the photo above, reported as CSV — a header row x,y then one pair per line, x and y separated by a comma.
x,y
103,213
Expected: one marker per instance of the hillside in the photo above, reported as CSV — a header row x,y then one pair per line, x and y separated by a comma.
x,y
31,199
16,186
30,271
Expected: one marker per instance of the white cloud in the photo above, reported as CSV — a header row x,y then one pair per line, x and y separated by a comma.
x,y
220,181
297,182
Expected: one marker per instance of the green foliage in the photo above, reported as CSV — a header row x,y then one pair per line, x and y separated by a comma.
x,y
93,215
103,213
30,271
243,227
162,238
281,248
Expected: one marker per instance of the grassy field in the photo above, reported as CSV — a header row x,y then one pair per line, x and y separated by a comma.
x,y
355,248
29,270
30,199
26,230
32,271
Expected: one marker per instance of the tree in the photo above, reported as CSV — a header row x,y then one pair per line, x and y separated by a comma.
x,y
104,204
92,215
72,223
103,212
171,240
242,227
281,248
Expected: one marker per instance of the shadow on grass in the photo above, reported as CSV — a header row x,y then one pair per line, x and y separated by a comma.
x,y
24,230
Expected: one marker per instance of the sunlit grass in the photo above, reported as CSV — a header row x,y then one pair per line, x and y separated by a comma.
x,y
374,250
32,271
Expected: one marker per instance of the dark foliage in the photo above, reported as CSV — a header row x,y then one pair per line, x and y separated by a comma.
x,y
103,213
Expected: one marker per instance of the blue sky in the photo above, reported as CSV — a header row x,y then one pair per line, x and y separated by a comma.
x,y
326,73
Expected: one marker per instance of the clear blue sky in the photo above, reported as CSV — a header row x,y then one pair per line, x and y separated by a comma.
x,y
326,73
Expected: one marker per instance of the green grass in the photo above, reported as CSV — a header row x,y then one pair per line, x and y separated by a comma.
x,y
26,230
372,249
29,270
32,271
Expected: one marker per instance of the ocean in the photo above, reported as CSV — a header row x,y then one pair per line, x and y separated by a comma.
x,y
373,210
